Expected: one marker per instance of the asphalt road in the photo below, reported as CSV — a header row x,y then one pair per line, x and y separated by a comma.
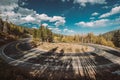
x,y
83,66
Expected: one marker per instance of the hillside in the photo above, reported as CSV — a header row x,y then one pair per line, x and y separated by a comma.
x,y
109,35
10,32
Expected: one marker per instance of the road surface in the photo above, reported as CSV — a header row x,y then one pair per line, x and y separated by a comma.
x,y
84,66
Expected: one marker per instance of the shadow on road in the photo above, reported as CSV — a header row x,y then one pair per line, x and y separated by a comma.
x,y
100,60
116,53
51,65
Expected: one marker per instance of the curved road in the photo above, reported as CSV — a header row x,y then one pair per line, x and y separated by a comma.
x,y
20,53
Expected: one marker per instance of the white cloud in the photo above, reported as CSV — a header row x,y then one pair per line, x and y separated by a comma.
x,y
28,18
113,11
35,27
20,15
68,30
21,3
37,18
45,24
55,30
25,11
58,20
100,23
8,5
58,30
95,14
97,23
83,2
58,23
43,17
8,2
63,0
116,21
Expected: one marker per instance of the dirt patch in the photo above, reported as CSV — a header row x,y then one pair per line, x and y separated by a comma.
x,y
66,47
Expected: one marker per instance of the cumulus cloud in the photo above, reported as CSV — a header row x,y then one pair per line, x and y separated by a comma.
x,y
58,20
113,11
116,21
68,30
35,27
25,11
58,30
28,18
21,3
55,30
43,17
63,0
99,23
8,2
8,5
37,18
95,14
20,15
45,24
84,2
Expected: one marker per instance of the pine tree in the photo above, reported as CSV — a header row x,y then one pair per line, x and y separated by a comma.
x,y
34,33
1,25
116,38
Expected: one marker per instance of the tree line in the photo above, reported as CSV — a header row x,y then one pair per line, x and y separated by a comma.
x,y
88,38
43,34
8,28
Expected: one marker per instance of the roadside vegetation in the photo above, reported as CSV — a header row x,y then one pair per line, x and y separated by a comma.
x,y
43,36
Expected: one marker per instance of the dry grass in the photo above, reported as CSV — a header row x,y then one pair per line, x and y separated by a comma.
x,y
69,50
68,47
77,50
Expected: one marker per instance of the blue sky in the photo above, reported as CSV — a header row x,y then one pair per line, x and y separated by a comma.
x,y
64,16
